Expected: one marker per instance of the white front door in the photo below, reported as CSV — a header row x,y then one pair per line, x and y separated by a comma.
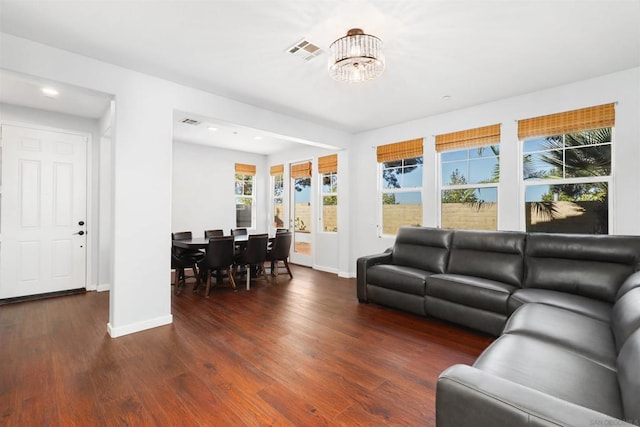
x,y
301,218
43,211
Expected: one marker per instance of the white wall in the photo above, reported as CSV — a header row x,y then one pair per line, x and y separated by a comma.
x,y
622,88
140,298
203,185
29,116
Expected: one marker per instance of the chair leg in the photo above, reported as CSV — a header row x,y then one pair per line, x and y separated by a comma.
x,y
231,281
208,287
176,282
248,276
286,264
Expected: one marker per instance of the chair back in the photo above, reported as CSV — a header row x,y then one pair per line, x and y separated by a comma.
x,y
281,246
282,230
181,235
238,231
180,252
213,233
256,251
220,253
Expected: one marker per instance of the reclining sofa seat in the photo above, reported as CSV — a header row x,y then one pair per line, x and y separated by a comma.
x,y
484,269
397,278
551,366
581,273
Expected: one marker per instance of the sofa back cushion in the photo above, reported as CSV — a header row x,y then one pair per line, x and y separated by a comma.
x,y
629,376
593,266
422,247
494,255
625,317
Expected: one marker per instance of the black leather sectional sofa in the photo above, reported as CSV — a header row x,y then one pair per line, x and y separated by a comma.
x,y
565,308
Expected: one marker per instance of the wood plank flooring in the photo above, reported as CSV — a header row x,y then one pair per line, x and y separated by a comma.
x,y
302,352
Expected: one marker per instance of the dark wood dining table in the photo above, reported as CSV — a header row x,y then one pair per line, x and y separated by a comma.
x,y
203,242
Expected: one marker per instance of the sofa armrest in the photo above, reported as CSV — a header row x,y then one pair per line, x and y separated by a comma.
x,y
467,396
363,264
632,282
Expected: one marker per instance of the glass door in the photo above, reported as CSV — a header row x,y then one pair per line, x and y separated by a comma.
x,y
301,218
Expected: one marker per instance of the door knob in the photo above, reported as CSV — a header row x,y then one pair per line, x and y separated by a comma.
x,y
80,222
80,233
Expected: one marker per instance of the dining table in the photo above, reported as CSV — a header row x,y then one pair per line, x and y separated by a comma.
x,y
203,242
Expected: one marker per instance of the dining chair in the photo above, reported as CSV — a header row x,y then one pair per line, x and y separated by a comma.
x,y
213,233
220,255
182,259
282,230
239,232
280,253
254,256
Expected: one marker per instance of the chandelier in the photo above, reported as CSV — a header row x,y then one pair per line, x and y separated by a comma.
x,y
356,57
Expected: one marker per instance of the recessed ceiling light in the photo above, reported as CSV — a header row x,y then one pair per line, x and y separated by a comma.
x,y
446,97
49,91
257,137
212,128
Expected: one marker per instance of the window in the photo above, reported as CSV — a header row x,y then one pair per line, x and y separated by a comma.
x,y
328,169
567,173
400,185
277,187
469,175
245,198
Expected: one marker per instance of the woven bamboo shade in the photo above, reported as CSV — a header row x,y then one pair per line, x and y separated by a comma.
x,y
301,170
328,164
276,170
245,169
399,150
570,121
468,138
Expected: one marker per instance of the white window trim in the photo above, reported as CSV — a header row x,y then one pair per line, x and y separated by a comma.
x,y
321,195
253,201
382,191
272,203
609,179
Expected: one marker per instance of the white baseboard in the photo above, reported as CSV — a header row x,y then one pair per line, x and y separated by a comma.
x,y
103,287
139,326
346,274
326,269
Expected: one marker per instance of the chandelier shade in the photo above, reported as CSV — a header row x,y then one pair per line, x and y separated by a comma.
x,y
356,57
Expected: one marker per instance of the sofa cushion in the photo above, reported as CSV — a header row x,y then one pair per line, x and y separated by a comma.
x,y
625,317
423,248
403,279
579,304
575,332
629,376
493,255
552,369
470,291
589,265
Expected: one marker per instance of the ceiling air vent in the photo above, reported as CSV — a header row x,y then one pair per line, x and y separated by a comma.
x,y
305,50
190,122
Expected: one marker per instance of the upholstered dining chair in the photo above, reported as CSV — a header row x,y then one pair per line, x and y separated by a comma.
x,y
213,233
254,256
280,253
239,232
182,259
220,255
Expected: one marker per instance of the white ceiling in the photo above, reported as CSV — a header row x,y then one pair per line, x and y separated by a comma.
x,y
471,51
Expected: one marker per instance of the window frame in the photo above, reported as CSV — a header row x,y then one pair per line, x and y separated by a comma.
x,y
322,195
382,191
272,215
608,179
446,187
243,196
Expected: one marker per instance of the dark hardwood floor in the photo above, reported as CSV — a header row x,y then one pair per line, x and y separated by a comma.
x,y
300,352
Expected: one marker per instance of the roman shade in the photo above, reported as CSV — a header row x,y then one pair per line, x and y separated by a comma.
x,y
276,170
301,170
328,164
469,138
600,116
399,150
245,169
